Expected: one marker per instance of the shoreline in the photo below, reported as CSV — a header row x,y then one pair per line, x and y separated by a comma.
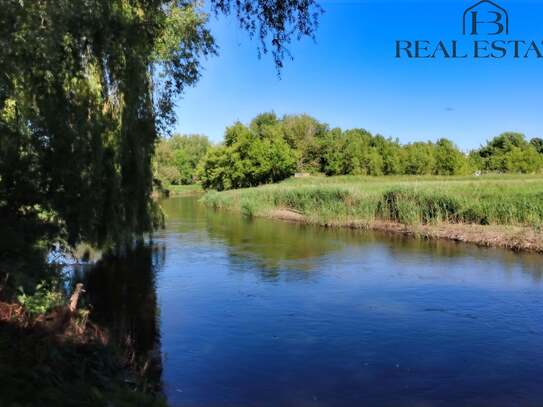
x,y
516,238
490,211
100,371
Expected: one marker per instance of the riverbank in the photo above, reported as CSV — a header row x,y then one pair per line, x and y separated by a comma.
x,y
499,210
61,358
184,190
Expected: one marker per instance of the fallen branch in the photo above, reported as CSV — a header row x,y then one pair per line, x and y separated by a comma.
x,y
75,297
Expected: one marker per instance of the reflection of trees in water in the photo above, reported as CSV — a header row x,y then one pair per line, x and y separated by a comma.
x,y
272,244
275,246
269,244
122,293
405,247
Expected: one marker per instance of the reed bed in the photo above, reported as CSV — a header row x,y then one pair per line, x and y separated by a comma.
x,y
511,200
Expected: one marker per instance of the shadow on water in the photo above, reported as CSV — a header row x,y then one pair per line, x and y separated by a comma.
x,y
121,292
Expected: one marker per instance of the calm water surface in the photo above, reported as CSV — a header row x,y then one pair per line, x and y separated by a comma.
x,y
262,313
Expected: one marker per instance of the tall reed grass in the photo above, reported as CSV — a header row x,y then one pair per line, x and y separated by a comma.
x,y
490,200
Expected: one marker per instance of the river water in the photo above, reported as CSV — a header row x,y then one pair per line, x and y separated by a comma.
x,y
245,312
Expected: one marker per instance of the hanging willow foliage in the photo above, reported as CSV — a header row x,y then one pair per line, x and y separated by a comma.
x,y
85,87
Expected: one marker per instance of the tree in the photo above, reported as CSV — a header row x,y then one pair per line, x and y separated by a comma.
x,y
251,156
510,152
86,87
303,133
176,158
332,149
449,160
538,144
390,151
418,158
356,145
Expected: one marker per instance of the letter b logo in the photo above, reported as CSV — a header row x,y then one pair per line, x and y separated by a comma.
x,y
486,17
475,22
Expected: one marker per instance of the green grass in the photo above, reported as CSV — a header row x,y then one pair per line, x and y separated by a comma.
x,y
179,190
487,200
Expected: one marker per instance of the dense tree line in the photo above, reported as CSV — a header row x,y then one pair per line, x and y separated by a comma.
x,y
177,157
250,156
270,149
510,152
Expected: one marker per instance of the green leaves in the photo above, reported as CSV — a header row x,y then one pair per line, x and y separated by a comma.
x,y
46,297
271,149
177,157
254,155
511,152
85,88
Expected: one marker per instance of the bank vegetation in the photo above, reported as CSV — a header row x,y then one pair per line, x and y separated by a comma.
x,y
494,210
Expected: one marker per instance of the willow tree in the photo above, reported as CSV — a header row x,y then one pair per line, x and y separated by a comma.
x,y
86,86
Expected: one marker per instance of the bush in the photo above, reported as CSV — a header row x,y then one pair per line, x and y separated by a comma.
x,y
46,297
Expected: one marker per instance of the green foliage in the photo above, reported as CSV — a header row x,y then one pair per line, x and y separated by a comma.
x,y
252,156
333,162
177,157
79,120
86,87
485,200
510,152
418,158
46,296
263,152
390,151
449,160
538,144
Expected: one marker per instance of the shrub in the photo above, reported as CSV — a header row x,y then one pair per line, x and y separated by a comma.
x,y
44,298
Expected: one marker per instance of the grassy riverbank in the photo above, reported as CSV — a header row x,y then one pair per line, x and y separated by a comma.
x,y
497,210
181,190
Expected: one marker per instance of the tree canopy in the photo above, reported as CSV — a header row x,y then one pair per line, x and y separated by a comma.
x,y
85,88
177,157
511,152
270,149
251,156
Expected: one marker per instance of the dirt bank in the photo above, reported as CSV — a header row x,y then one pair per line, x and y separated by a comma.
x,y
508,237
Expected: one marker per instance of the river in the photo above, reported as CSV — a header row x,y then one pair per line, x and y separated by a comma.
x,y
253,312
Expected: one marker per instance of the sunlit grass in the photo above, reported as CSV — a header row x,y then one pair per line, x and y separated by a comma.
x,y
177,190
486,200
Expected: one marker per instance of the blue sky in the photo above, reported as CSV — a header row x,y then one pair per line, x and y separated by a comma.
x,y
349,77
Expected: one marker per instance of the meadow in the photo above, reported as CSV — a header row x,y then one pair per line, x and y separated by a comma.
x,y
502,203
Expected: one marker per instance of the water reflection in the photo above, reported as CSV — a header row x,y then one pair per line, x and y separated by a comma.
x,y
275,245
263,313
121,291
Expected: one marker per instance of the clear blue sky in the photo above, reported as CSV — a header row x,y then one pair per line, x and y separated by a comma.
x,y
349,76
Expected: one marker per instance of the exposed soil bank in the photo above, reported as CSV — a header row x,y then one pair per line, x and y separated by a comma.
x,y
508,237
